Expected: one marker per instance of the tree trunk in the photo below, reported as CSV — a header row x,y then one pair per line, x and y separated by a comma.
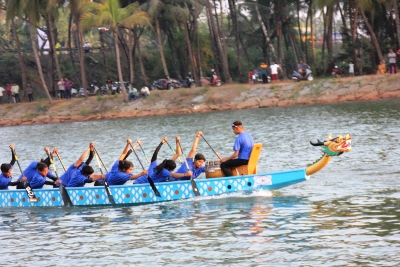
x,y
397,20
21,60
121,80
38,64
224,59
81,60
105,61
192,58
197,42
265,31
160,46
139,54
52,39
374,40
233,12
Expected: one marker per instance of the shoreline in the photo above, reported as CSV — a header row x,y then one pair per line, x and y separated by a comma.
x,y
204,99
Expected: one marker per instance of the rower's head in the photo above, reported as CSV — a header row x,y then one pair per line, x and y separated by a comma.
x,y
87,170
168,164
199,160
237,127
125,166
42,169
6,169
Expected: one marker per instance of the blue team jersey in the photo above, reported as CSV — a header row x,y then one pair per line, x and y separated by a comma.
x,y
143,179
66,177
196,171
77,179
244,143
163,176
4,181
31,170
116,177
37,181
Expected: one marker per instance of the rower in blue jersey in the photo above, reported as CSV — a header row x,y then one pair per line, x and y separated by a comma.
x,y
6,172
163,171
31,170
40,177
196,165
83,175
78,164
121,171
241,149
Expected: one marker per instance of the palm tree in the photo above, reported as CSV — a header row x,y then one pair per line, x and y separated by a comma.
x,y
29,10
110,14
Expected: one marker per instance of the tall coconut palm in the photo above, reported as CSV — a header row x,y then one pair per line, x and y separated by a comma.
x,y
109,13
29,10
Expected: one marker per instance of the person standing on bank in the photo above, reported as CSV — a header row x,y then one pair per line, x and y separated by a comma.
x,y
274,71
241,149
392,61
264,72
29,92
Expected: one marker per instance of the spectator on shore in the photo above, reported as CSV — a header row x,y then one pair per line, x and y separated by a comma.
x,y
133,93
351,69
250,75
381,68
61,88
10,98
144,91
274,70
392,61
86,47
15,91
255,76
29,92
264,72
1,94
68,87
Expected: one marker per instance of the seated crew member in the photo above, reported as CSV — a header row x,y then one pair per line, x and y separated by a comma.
x,y
39,178
196,165
78,164
241,149
31,170
121,171
84,175
6,172
163,171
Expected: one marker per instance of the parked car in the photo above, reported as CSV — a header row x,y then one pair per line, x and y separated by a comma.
x,y
168,84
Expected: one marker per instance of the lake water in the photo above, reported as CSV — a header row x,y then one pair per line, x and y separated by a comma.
x,y
345,215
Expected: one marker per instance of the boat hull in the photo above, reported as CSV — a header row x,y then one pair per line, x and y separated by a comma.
x,y
143,194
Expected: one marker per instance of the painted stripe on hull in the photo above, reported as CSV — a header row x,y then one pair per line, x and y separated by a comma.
x,y
142,194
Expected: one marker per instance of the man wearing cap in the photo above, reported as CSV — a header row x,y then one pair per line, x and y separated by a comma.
x,y
242,149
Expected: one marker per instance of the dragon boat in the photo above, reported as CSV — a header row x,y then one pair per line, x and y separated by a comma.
x,y
246,179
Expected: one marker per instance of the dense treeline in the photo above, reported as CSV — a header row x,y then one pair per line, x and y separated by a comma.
x,y
139,41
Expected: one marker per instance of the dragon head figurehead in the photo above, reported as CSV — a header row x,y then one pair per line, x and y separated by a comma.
x,y
335,146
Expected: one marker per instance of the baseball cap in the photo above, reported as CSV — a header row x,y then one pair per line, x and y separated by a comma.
x,y
236,123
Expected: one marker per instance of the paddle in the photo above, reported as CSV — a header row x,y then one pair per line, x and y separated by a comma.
x,y
62,164
148,161
28,188
211,147
180,161
63,191
194,186
151,182
108,191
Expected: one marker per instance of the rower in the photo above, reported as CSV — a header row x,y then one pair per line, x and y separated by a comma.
x,y
6,171
196,165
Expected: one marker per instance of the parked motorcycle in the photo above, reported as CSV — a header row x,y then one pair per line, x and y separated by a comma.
x,y
339,71
306,76
166,83
92,90
211,81
116,87
188,82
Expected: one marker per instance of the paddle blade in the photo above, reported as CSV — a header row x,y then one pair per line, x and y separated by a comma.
x,y
110,197
65,197
29,191
153,187
194,187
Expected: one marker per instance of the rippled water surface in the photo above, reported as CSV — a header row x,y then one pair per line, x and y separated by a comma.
x,y
345,215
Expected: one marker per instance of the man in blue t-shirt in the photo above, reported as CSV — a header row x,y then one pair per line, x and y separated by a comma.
x,y
241,149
